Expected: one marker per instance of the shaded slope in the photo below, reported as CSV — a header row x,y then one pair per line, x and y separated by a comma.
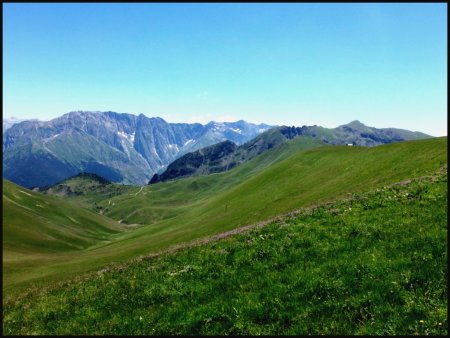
x,y
215,158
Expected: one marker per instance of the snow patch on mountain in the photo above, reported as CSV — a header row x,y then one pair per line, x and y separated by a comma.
x,y
174,146
129,137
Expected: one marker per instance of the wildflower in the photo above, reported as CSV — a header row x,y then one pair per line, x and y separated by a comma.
x,y
421,321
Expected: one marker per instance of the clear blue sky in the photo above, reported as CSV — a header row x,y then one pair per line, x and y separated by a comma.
x,y
295,64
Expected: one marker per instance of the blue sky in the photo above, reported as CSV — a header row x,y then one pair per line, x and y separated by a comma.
x,y
295,64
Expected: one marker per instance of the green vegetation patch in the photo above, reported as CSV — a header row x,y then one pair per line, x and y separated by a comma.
x,y
34,223
375,263
156,217
87,189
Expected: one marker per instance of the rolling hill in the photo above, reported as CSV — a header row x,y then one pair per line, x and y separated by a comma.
x,y
38,229
37,223
86,190
372,264
297,174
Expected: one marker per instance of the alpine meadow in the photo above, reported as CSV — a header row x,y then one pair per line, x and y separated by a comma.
x,y
268,169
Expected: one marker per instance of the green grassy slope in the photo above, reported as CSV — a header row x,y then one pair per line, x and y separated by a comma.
x,y
373,264
320,174
132,204
174,212
37,228
87,189
304,178
166,200
37,223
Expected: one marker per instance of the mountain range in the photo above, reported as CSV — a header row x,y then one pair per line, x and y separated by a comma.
x,y
8,122
226,155
130,149
122,148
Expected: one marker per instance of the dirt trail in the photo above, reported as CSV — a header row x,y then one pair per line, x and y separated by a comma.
x,y
139,191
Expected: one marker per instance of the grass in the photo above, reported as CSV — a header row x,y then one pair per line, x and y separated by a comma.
x,y
373,263
286,178
38,230
158,202
87,189
294,175
34,223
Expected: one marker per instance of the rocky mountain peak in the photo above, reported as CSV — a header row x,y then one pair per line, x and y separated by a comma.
x,y
120,147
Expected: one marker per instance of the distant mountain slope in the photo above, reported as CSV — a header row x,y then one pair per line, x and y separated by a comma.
x,y
355,133
359,134
8,122
220,157
213,159
119,147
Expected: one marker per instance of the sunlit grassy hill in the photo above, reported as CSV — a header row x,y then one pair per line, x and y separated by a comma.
x,y
265,187
299,173
165,200
86,189
39,229
35,223
374,263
